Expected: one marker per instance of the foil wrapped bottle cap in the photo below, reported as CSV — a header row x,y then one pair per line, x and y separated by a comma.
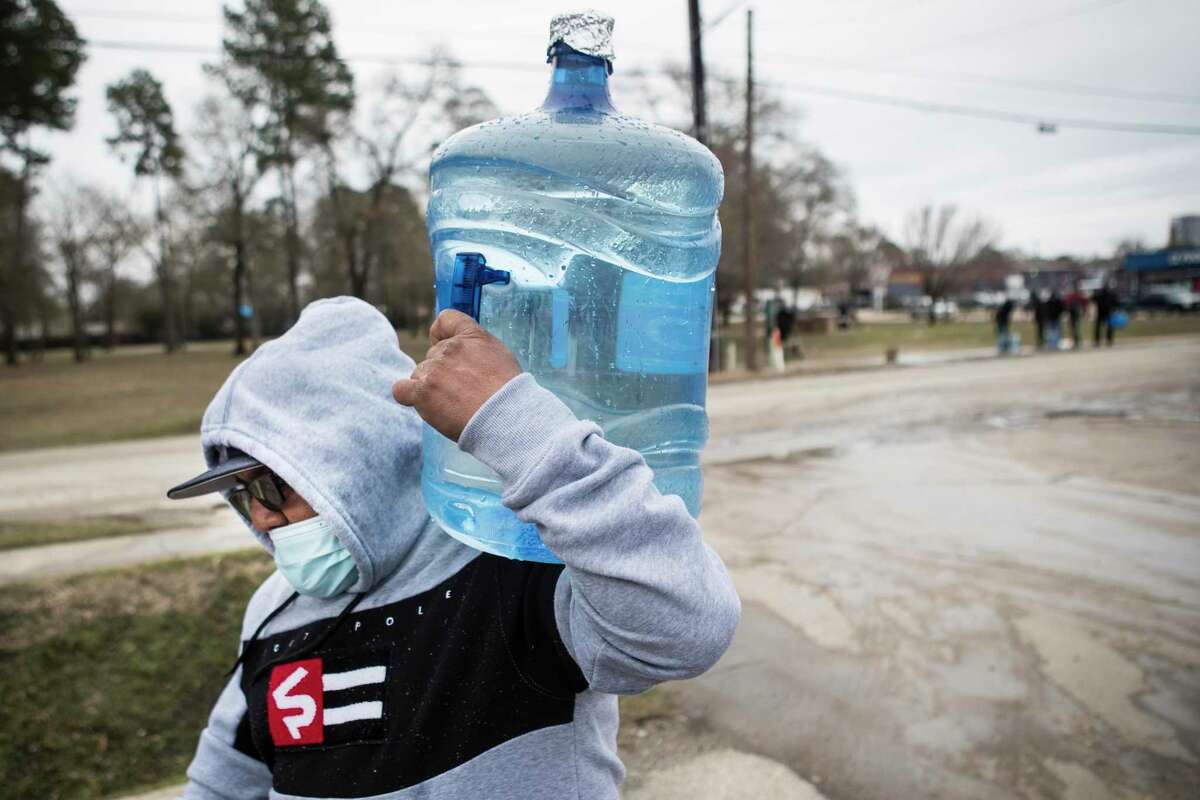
x,y
587,31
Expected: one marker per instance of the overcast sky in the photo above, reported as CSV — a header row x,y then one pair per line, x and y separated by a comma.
x,y
1075,191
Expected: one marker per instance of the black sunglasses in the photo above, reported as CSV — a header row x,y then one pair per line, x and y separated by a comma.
x,y
267,488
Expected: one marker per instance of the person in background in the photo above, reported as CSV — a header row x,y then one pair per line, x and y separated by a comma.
x,y
1003,318
846,315
785,320
1053,312
1076,304
1105,299
1038,309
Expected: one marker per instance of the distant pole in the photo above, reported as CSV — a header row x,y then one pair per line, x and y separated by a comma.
x,y
700,131
748,202
699,112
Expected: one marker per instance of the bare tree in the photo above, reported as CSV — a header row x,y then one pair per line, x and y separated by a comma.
x,y
75,225
224,135
852,251
939,241
408,118
119,234
815,199
800,195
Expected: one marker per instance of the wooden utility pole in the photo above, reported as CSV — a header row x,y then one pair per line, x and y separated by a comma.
x,y
699,111
700,131
751,277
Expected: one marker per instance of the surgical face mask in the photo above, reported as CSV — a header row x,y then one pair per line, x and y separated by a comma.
x,y
313,559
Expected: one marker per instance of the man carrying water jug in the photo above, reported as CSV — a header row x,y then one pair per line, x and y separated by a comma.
x,y
386,659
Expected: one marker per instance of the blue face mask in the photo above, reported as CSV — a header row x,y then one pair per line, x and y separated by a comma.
x,y
313,559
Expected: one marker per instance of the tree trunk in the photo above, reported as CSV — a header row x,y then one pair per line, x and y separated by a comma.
x,y
7,312
44,330
371,235
292,242
110,309
255,320
358,272
75,303
239,283
165,282
8,332
239,273
165,293
187,307
347,233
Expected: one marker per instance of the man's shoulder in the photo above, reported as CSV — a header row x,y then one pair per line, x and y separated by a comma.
x,y
269,595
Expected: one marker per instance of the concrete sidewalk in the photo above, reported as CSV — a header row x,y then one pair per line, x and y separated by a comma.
x,y
225,534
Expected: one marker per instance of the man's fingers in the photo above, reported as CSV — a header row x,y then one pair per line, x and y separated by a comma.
x,y
405,391
420,370
445,347
450,323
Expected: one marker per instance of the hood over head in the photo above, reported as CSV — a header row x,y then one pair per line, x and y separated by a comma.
x,y
316,407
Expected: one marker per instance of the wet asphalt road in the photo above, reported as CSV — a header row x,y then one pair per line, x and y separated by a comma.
x,y
972,581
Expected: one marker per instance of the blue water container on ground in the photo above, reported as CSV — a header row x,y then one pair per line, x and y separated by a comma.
x,y
587,242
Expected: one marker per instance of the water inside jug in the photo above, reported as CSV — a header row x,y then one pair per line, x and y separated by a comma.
x,y
587,241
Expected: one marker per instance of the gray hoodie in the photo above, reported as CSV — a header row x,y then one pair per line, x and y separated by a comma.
x,y
444,672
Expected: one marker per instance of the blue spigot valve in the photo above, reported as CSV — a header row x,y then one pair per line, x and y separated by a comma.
x,y
471,274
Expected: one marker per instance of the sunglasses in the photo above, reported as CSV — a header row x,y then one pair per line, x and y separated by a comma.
x,y
267,488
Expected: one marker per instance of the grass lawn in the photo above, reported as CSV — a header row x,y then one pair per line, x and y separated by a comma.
x,y
108,678
31,533
132,393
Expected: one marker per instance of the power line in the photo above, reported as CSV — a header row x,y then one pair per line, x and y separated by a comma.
x,y
723,14
1062,87
365,58
803,88
978,36
1046,122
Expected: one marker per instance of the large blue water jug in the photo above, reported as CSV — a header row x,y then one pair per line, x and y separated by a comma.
x,y
587,241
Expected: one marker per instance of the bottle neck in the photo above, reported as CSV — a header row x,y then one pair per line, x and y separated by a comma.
x,y
578,82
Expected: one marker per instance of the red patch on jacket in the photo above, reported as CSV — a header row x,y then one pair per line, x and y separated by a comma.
x,y
296,703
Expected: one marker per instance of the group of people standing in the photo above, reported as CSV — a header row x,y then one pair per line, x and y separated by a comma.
x,y
1048,311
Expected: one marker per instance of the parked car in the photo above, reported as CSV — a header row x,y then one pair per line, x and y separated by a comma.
x,y
1172,299
941,310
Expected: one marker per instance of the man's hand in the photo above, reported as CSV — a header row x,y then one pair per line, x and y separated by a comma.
x,y
465,366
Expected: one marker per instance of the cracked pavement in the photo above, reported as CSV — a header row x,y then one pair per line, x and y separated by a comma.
x,y
979,581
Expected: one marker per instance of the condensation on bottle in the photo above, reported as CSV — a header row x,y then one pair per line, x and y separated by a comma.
x,y
599,236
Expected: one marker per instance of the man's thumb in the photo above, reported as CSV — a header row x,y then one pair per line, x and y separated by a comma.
x,y
405,391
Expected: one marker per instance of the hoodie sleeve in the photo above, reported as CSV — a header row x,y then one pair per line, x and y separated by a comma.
x,y
227,765
642,599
